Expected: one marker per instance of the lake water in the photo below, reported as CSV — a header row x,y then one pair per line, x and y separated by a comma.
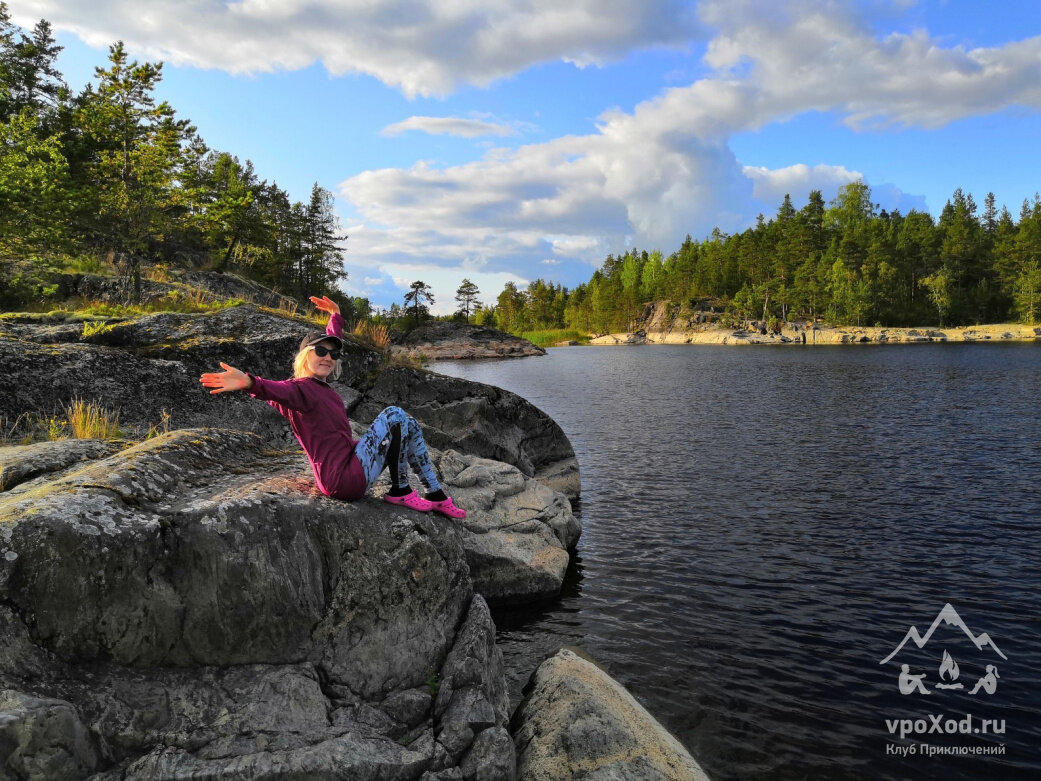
x,y
763,526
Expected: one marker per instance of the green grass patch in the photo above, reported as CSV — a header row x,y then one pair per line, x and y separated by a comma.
x,y
96,327
552,337
80,310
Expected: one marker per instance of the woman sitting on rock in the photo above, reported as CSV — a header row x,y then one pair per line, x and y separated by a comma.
x,y
344,468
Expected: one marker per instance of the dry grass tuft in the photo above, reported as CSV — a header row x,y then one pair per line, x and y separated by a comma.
x,y
89,420
373,334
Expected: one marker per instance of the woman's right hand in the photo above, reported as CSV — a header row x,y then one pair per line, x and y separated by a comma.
x,y
231,379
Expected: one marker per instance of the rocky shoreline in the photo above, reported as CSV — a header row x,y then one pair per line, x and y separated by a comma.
x,y
449,341
826,335
189,606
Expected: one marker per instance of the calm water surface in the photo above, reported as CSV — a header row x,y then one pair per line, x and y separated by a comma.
x,y
763,525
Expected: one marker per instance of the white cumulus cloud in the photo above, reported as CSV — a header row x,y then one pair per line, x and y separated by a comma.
x,y
816,54
422,47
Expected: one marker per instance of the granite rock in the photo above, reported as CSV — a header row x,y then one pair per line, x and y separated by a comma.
x,y
190,607
448,341
578,722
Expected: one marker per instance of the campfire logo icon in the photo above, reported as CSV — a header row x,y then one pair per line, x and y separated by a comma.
x,y
949,671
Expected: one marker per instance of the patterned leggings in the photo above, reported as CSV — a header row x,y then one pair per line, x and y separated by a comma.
x,y
374,448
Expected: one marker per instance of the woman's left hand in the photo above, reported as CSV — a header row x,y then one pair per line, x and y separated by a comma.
x,y
325,304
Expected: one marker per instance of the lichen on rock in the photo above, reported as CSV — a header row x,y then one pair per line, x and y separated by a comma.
x,y
191,605
577,722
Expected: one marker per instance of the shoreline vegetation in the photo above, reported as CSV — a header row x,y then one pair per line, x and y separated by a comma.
x,y
842,262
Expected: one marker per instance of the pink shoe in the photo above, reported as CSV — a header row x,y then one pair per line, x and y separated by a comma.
x,y
447,508
412,501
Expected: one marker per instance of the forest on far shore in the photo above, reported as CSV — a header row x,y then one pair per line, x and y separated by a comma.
x,y
846,262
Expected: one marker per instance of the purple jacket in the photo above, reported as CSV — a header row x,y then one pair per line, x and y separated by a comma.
x,y
317,416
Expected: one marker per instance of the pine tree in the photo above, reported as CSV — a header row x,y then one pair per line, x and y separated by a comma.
x,y
323,257
230,214
135,159
466,294
29,77
418,292
33,188
509,306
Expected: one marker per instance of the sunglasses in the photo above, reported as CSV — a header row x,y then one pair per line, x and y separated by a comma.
x,y
321,352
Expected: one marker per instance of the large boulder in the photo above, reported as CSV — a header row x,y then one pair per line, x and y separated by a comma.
x,y
517,532
578,722
448,341
476,418
190,607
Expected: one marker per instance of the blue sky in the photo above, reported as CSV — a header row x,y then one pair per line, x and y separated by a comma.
x,y
506,140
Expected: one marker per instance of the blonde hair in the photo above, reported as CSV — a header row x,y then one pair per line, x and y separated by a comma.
x,y
300,368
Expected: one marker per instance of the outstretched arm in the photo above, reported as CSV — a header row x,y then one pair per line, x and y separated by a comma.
x,y
325,304
231,379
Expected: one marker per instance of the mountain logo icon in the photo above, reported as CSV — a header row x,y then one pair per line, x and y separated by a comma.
x,y
948,670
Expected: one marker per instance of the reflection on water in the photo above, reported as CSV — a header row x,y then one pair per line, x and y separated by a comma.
x,y
763,525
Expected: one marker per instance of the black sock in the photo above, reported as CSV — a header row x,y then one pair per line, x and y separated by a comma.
x,y
436,496
398,486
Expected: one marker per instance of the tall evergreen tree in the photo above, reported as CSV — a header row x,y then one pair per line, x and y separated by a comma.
x,y
509,306
960,255
466,295
322,256
136,155
29,77
33,188
230,214
416,299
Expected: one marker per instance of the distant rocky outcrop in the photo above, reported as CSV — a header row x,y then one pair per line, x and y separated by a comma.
x,y
446,341
577,722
